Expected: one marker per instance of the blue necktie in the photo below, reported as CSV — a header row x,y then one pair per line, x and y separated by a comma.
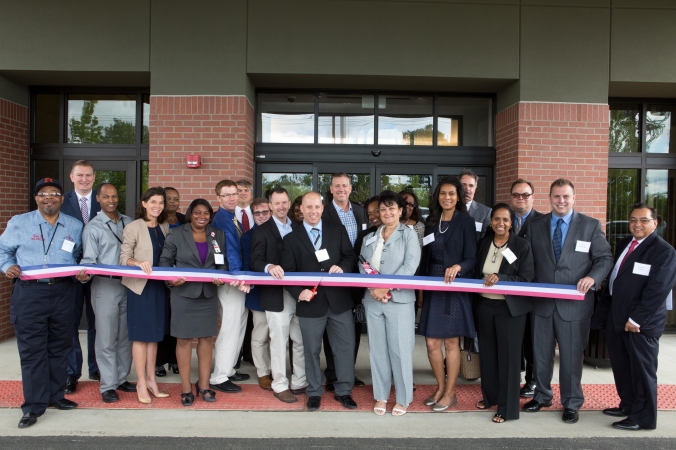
x,y
556,242
317,242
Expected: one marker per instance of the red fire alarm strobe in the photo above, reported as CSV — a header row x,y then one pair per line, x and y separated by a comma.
x,y
193,161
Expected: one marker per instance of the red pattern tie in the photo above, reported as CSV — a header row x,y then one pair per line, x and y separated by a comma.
x,y
84,210
245,221
633,245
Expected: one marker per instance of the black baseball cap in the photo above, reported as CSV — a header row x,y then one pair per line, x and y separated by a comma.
x,y
48,182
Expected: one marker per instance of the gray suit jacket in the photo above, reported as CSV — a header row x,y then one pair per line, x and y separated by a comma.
x,y
400,256
572,266
480,213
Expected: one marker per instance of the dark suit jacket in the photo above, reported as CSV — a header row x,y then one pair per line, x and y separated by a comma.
x,y
267,248
459,245
520,270
480,213
524,226
331,215
180,251
253,298
71,206
572,265
299,256
640,297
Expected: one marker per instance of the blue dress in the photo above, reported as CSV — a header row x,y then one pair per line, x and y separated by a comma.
x,y
444,314
148,313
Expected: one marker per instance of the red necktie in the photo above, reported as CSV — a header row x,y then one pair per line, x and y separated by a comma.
x,y
633,245
245,221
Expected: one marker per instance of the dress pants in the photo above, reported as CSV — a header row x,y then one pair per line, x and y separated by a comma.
x,y
113,348
527,349
231,335
330,371
500,340
633,357
391,331
340,328
572,337
83,300
284,325
42,315
260,343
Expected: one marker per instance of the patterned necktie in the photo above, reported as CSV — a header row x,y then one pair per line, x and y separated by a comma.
x,y
556,242
317,241
84,210
236,222
633,245
518,224
245,221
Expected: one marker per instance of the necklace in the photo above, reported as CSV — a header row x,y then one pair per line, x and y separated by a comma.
x,y
449,225
497,249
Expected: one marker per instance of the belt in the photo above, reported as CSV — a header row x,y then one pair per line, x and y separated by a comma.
x,y
48,280
112,277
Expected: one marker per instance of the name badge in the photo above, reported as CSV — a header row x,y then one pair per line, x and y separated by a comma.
x,y
509,255
582,246
479,226
363,226
322,255
219,258
427,239
372,240
217,249
641,269
68,246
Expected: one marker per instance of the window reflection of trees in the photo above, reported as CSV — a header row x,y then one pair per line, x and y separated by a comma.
x,y
656,123
624,131
295,183
420,184
87,129
361,187
623,191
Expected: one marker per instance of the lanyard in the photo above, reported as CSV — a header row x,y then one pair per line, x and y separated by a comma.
x,y
50,241
114,234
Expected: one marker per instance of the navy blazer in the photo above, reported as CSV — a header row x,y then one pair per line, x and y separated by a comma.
x,y
521,269
71,206
459,245
643,298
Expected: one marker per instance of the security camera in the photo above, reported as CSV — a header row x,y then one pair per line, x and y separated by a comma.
x,y
291,99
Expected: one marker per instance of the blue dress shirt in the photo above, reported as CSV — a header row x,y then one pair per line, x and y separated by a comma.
x,y
564,226
233,251
308,229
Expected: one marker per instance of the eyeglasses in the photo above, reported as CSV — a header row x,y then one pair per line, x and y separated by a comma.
x,y
229,195
643,220
524,196
261,213
48,194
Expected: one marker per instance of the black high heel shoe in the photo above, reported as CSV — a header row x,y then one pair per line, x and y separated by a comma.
x,y
160,371
205,392
187,398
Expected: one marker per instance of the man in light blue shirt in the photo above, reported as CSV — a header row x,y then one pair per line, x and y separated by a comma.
x,y
42,311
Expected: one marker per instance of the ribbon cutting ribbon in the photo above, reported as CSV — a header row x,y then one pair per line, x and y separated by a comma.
x,y
558,291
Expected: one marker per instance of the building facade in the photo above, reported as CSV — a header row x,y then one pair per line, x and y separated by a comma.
x,y
396,92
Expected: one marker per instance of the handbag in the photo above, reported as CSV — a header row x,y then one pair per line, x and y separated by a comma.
x,y
470,368
359,313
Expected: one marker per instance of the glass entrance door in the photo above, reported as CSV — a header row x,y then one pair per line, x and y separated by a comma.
x,y
122,174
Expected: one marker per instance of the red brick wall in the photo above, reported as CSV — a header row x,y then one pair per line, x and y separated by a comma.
x,y
218,128
13,186
541,142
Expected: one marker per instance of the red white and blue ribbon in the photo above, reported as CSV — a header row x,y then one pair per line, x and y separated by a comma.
x,y
558,291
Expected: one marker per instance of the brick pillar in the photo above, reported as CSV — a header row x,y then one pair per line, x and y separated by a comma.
x,y
541,142
220,129
13,186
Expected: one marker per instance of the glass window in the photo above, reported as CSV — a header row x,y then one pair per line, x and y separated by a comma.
x,y
146,119
361,187
464,121
405,120
286,118
659,193
625,122
101,119
144,177
296,184
659,131
420,184
46,122
346,119
623,191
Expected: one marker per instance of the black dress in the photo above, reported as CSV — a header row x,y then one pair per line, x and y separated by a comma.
x,y
444,314
148,313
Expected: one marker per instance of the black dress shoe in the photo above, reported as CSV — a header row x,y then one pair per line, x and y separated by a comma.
x,y
160,371
71,385
127,387
64,404
227,386
330,386
174,368
570,416
616,412
535,406
110,396
358,382
28,419
527,391
239,377
346,401
313,403
95,376
625,424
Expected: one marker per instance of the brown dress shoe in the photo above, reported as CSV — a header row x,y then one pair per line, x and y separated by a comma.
x,y
265,382
286,396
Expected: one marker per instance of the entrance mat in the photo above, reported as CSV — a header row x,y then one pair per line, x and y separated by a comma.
x,y
253,398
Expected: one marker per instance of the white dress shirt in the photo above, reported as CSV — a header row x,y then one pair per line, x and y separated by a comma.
x,y
239,211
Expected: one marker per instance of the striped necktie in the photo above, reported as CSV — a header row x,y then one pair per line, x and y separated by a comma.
x,y
556,242
236,222
84,210
317,241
